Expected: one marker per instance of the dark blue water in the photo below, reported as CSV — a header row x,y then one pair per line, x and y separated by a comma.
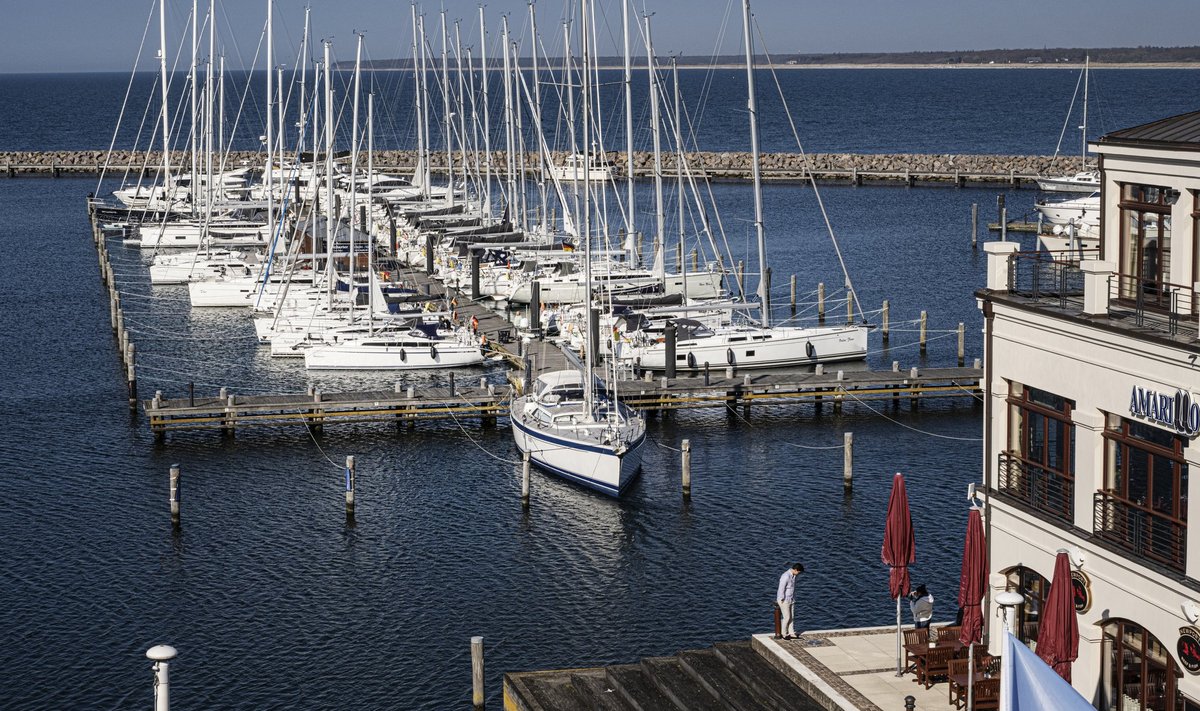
x,y
962,110
274,602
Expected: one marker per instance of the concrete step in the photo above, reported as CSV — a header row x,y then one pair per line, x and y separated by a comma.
x,y
670,676
635,688
560,691
707,668
772,689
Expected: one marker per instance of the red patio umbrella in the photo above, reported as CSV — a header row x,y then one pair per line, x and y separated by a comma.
x,y
899,551
973,580
1058,631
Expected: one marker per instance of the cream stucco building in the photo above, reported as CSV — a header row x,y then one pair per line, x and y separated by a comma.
x,y
1093,383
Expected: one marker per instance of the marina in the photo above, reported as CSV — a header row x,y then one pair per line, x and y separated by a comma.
x,y
326,401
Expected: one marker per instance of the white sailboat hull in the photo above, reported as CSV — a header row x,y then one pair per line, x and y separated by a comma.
x,y
359,357
605,468
741,348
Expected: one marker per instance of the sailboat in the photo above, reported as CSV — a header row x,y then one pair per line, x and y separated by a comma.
x,y
754,345
1086,180
567,422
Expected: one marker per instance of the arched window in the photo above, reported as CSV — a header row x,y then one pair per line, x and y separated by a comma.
x,y
1034,587
1139,672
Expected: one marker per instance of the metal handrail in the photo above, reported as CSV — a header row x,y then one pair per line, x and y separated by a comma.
x,y
1140,530
1154,303
1041,489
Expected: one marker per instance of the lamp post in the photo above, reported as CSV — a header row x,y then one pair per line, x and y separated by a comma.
x,y
161,655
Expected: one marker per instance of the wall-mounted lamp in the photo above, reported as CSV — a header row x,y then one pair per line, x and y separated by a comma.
x,y
1191,611
1077,557
973,497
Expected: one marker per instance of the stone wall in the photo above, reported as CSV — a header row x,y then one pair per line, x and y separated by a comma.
x,y
735,163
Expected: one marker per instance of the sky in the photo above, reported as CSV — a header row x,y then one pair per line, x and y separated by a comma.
x,y
104,35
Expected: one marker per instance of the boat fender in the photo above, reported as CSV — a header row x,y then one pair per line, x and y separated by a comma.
x,y
729,356
809,349
691,360
403,356
433,352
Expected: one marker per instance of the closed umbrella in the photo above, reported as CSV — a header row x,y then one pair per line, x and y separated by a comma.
x,y
973,580
1058,630
971,585
899,552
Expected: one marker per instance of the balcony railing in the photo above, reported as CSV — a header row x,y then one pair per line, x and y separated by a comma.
x,y
1154,304
1046,275
1038,488
1140,531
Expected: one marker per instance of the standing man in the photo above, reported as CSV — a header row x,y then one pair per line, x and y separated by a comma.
x,y
785,598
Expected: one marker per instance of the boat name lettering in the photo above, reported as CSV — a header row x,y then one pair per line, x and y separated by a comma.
x,y
1180,412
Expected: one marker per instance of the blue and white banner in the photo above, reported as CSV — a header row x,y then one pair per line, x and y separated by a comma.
x,y
1029,684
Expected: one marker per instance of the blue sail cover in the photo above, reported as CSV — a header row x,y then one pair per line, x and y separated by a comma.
x,y
1029,684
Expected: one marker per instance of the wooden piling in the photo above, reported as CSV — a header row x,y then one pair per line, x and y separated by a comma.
x,y
350,472
477,697
793,294
685,456
695,260
821,302
741,275
535,306
525,480
175,493
924,330
475,259
849,308
886,321
974,225
962,345
848,462
669,336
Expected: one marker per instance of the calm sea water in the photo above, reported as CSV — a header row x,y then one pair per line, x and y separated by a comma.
x,y
274,602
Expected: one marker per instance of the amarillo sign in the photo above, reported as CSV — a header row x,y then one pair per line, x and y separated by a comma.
x,y
1180,412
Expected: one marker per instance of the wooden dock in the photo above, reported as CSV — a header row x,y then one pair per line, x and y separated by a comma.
x,y
402,406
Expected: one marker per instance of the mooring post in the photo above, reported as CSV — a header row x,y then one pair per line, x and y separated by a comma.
x,y
429,253
669,334
1003,211
475,257
974,225
706,374
741,275
175,494
793,280
962,344
685,456
848,462
477,672
695,259
528,384
886,320
924,324
191,394
849,307
350,472
525,479
910,703
131,381
821,302
452,393
535,306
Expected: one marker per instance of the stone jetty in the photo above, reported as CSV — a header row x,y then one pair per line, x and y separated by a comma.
x,y
859,167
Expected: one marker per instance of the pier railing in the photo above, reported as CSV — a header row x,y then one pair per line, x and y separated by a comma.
x,y
1040,489
1140,530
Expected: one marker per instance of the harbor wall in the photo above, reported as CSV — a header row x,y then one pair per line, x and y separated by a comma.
x,y
726,165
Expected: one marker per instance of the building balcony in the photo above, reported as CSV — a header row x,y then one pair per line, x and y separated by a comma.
x,y
1040,490
1140,531
1077,285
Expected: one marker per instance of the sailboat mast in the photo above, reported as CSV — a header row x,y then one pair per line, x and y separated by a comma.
x,y
487,123
270,181
679,176
303,81
195,91
354,165
509,132
329,176
428,157
1083,128
752,106
166,126
370,227
447,117
585,96
537,110
660,217
208,105
630,233
462,103
569,86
